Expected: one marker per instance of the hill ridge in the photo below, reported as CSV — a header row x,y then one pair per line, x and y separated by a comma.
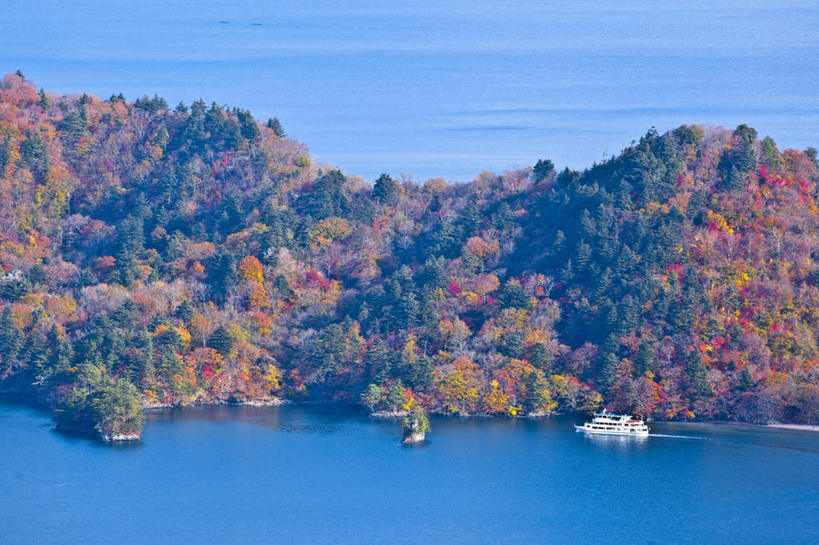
x,y
156,256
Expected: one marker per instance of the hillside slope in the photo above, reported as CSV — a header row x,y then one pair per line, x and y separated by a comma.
x,y
161,256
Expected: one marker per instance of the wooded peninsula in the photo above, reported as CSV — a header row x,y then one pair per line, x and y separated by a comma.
x,y
155,256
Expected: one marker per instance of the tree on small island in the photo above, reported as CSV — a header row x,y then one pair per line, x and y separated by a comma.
x,y
415,426
102,407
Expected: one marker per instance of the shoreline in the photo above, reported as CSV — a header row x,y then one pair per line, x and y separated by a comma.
x,y
264,402
32,402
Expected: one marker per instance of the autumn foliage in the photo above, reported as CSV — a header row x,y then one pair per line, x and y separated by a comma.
x,y
200,256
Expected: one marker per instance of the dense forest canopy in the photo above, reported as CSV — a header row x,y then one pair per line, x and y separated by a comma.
x,y
156,256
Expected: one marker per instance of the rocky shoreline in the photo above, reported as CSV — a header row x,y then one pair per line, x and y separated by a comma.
x,y
389,414
121,437
415,438
261,402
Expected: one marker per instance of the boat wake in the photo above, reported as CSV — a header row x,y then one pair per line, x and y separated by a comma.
x,y
701,438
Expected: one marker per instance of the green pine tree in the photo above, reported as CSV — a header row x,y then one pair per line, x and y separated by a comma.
x,y
11,338
275,125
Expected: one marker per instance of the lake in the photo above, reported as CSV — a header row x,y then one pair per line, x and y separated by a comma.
x,y
429,89
442,88
322,475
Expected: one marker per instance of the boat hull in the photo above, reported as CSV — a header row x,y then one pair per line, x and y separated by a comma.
x,y
584,429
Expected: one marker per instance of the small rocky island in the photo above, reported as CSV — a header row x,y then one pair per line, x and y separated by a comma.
x,y
106,409
415,425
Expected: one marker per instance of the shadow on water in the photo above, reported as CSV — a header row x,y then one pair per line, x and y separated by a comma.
x,y
321,419
423,444
23,400
347,420
42,415
77,437
618,442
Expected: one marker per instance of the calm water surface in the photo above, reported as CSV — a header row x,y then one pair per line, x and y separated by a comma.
x,y
313,475
442,88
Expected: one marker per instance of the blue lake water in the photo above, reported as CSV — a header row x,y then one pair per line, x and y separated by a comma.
x,y
442,88
319,475
432,89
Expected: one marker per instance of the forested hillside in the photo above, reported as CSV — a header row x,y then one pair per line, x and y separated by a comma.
x,y
154,255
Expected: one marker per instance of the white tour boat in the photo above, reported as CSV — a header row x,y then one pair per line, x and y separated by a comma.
x,y
614,424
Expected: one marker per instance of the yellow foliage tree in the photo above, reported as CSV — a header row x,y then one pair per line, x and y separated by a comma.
x,y
495,401
459,389
329,229
251,269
